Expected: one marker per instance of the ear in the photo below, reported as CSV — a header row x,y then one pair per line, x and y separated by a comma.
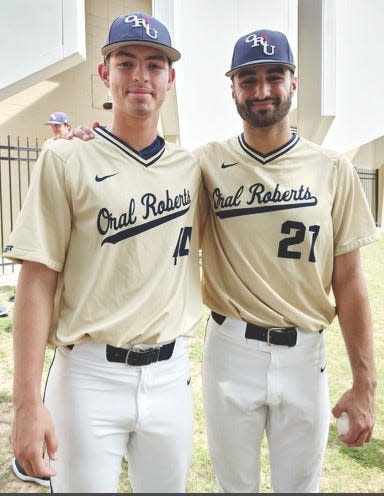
x,y
171,78
293,84
103,74
233,91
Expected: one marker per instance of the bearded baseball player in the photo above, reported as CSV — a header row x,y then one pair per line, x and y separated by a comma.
x,y
110,277
287,219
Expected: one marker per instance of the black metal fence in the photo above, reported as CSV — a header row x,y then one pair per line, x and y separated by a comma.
x,y
370,181
16,164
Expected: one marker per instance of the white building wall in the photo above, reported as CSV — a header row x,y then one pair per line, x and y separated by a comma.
x,y
38,40
359,74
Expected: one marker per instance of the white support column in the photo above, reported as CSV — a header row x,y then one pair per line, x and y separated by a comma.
x,y
317,67
163,10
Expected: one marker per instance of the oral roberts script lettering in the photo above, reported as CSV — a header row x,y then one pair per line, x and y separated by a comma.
x,y
151,208
261,200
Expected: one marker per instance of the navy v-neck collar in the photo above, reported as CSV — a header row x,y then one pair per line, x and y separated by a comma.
x,y
146,157
268,157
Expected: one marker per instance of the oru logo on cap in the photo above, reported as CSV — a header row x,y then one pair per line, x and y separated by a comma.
x,y
261,41
263,46
139,28
138,22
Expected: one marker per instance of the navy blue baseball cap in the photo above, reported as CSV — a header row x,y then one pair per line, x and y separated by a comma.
x,y
138,28
261,47
58,118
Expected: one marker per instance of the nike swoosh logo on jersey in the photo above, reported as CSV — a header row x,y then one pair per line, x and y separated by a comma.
x,y
101,178
323,368
224,165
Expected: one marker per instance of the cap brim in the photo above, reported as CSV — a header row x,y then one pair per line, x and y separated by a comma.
x,y
259,62
56,122
170,53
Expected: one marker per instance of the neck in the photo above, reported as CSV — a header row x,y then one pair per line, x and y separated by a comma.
x,y
137,133
267,139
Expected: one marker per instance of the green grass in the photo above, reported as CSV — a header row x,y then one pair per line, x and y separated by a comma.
x,y
346,470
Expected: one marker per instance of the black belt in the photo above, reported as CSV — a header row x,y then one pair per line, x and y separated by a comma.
x,y
139,357
284,336
136,356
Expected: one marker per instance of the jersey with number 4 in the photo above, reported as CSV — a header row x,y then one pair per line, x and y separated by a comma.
x,y
276,223
119,229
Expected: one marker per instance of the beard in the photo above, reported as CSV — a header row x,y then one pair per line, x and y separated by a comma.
x,y
264,118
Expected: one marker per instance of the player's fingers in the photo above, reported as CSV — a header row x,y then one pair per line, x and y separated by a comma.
x,y
356,436
51,444
35,465
369,437
41,468
84,133
337,411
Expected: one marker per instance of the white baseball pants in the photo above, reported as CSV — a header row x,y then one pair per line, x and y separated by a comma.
x,y
250,387
103,410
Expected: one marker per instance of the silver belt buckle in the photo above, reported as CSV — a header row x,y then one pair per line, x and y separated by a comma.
x,y
152,353
277,329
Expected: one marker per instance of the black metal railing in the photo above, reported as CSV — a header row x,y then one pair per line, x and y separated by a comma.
x,y
16,164
370,181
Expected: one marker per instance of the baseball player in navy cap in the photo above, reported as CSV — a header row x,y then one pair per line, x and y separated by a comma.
x,y
110,277
60,125
287,218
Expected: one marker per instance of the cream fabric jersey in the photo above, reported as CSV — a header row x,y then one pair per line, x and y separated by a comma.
x,y
120,231
276,222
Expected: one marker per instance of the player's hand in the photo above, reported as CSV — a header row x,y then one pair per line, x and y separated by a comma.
x,y
83,132
33,431
359,404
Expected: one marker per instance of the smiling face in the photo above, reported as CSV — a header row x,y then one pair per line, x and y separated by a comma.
x,y
138,78
263,93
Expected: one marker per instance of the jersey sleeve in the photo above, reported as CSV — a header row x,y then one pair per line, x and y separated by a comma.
x,y
353,223
42,228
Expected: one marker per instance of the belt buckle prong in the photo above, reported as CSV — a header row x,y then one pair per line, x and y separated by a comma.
x,y
126,358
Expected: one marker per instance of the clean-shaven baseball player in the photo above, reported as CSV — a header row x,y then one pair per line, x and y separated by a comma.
x,y
110,277
60,125
287,219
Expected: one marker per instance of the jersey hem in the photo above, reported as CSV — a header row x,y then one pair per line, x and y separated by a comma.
x,y
20,257
357,244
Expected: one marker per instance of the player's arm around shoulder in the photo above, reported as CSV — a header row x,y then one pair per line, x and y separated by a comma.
x,y
355,320
32,426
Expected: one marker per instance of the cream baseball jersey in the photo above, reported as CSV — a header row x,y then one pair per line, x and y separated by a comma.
x,y
119,229
276,223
